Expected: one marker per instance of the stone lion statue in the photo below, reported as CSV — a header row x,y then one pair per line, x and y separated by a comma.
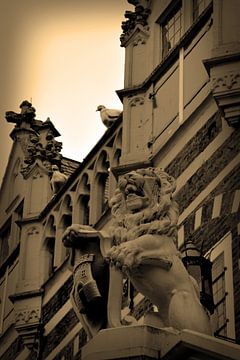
x,y
144,236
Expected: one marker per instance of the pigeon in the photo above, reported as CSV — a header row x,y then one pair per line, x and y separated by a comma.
x,y
108,116
57,179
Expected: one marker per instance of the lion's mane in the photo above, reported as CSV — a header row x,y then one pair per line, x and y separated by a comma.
x,y
160,217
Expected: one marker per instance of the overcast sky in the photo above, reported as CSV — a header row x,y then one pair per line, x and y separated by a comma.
x,y
65,56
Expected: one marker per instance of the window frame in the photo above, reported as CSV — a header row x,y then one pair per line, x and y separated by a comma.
x,y
196,5
164,18
224,246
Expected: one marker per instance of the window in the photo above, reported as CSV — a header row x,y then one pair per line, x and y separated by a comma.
x,y
219,295
106,192
4,241
199,6
50,247
223,323
84,209
103,189
172,28
8,287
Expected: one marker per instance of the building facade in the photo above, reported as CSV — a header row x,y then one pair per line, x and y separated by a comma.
x,y
181,112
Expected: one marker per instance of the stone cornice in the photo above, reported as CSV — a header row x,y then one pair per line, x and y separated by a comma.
x,y
123,169
210,63
26,295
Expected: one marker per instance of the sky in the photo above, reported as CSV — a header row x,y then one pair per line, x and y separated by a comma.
x,y
65,57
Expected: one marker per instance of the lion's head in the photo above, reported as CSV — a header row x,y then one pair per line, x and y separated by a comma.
x,y
143,204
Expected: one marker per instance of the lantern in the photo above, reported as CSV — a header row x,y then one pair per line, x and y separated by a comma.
x,y
200,269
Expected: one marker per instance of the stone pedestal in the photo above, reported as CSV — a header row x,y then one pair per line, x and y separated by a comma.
x,y
147,342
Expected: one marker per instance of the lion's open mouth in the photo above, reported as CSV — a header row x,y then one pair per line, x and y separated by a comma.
x,y
133,191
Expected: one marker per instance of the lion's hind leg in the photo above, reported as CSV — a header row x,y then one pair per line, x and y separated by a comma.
x,y
186,312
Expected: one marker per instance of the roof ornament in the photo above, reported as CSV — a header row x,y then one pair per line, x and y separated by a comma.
x,y
26,116
135,18
37,139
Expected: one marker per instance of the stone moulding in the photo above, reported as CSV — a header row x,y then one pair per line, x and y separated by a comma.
x,y
138,35
148,342
224,73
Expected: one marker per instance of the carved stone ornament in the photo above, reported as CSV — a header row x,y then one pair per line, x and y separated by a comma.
x,y
29,327
90,277
226,82
27,316
47,150
144,232
29,133
224,73
138,100
143,248
26,116
137,18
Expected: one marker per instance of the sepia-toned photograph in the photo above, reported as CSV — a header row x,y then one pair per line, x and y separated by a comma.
x,y
120,179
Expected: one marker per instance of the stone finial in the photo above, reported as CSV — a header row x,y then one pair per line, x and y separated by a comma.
x,y
25,117
137,17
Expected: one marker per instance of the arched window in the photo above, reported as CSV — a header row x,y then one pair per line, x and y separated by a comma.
x,y
65,221
49,247
84,210
83,200
103,190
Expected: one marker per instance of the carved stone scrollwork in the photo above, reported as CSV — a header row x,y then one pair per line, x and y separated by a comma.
x,y
139,100
135,18
227,82
26,316
139,40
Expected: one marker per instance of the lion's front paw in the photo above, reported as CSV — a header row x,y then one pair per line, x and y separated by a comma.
x,y
124,256
75,231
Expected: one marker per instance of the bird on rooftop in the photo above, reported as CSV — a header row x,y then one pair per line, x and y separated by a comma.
x,y
108,116
57,179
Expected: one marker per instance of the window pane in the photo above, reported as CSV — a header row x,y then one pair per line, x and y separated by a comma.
x,y
218,274
199,6
171,31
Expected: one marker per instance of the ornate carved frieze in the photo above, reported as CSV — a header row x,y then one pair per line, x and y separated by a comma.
x,y
29,327
229,81
135,19
27,316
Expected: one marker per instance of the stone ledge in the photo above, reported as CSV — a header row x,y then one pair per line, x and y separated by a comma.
x,y
147,342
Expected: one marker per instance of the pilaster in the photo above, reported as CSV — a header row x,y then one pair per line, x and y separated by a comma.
x,y
224,66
